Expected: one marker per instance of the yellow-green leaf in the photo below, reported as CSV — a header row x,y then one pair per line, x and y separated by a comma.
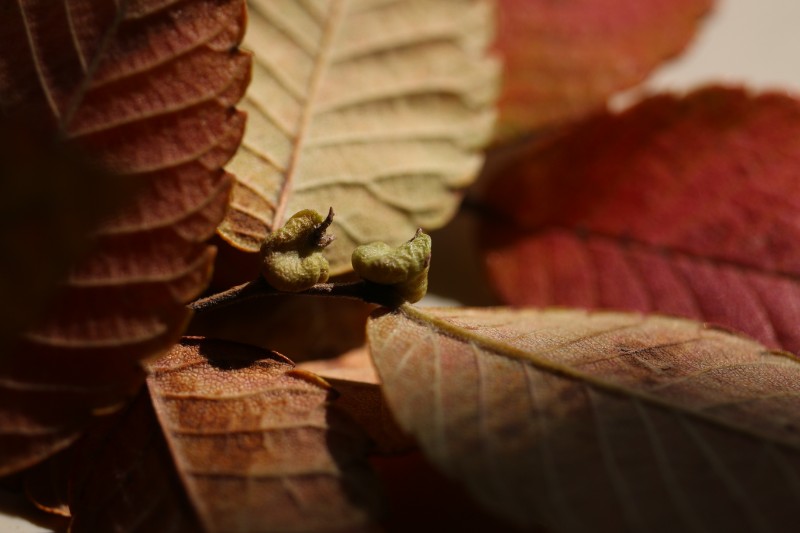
x,y
599,422
376,108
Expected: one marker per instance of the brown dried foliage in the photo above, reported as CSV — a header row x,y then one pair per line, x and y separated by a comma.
x,y
257,444
598,422
147,88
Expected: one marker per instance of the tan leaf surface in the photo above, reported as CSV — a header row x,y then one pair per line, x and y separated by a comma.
x,y
146,88
599,422
376,108
257,443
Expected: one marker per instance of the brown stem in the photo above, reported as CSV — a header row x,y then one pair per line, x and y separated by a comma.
x,y
369,292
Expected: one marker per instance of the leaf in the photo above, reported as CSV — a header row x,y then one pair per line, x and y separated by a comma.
x,y
683,206
421,498
598,422
50,199
124,479
378,109
353,365
47,484
256,442
355,381
147,88
565,59
300,327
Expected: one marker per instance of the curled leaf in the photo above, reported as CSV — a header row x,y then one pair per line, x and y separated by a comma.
x,y
291,257
598,422
405,267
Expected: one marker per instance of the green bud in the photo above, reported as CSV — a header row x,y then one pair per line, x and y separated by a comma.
x,y
291,257
405,267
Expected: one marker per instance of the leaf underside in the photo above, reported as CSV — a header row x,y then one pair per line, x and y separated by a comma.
x,y
598,422
257,444
146,88
378,109
686,207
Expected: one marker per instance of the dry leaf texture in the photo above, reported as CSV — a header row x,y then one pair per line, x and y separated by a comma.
x,y
147,88
564,59
124,478
599,422
257,444
686,207
377,108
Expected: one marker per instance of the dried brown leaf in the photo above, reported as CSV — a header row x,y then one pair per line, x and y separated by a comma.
x,y
256,442
50,199
353,376
376,108
421,498
353,365
147,88
123,477
300,327
599,422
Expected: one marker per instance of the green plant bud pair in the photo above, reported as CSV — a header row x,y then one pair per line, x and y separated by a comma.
x,y
292,260
405,267
291,257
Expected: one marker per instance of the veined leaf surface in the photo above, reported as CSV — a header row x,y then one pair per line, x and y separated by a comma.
x,y
376,108
147,89
598,422
257,443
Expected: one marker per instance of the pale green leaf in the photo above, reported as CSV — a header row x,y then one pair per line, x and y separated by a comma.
x,y
377,108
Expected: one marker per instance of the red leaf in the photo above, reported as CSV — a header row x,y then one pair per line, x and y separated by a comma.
x,y
564,59
147,87
687,207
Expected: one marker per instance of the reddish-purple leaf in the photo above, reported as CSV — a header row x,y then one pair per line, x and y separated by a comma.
x,y
147,88
564,59
688,207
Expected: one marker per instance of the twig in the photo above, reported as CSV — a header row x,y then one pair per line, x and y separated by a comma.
x,y
369,292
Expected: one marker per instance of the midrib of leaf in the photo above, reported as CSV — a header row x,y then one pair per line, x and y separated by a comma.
x,y
539,361
83,87
321,64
